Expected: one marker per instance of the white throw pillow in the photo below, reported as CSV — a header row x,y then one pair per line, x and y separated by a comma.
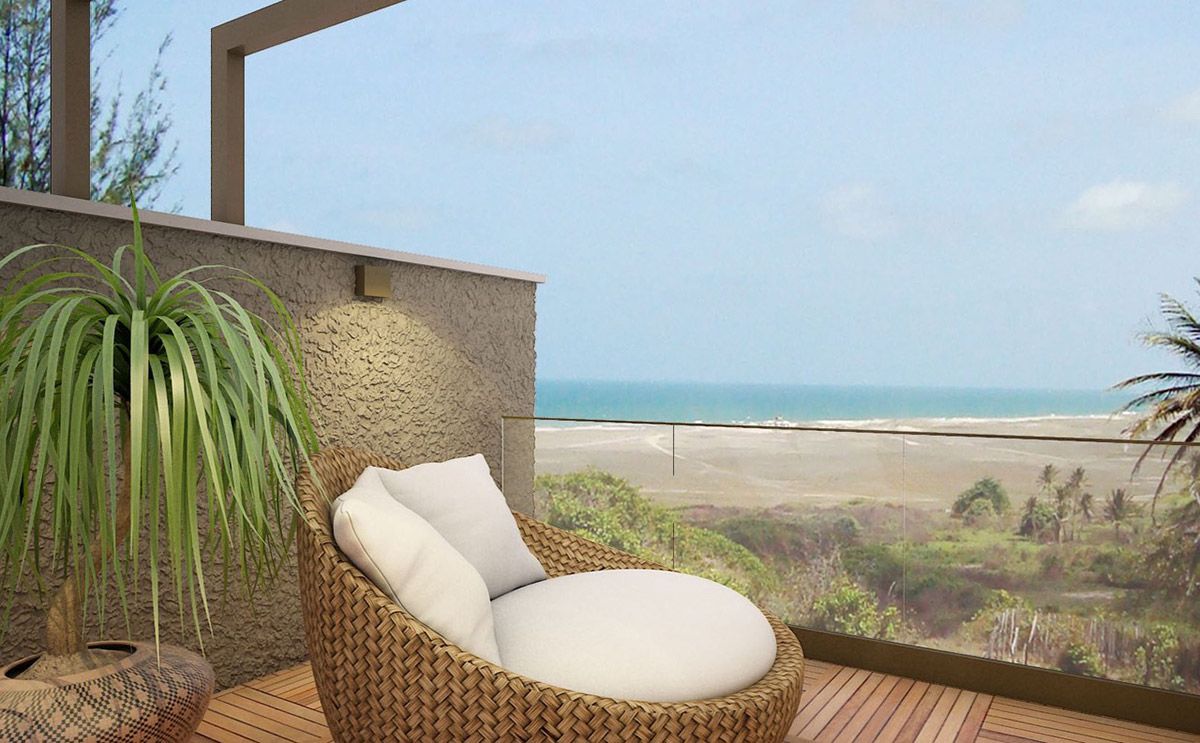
x,y
411,562
460,499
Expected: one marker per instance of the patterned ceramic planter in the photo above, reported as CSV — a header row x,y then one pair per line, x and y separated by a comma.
x,y
135,699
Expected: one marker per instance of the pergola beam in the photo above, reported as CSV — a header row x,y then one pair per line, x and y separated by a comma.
x,y
70,98
232,42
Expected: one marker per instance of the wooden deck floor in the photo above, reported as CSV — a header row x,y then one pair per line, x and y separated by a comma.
x,y
839,704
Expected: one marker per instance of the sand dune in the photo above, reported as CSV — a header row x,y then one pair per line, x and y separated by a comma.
x,y
766,467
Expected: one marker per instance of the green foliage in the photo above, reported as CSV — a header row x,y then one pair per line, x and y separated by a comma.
x,y
849,609
938,596
1002,600
966,590
610,510
987,490
208,398
1082,659
1174,557
1119,566
980,511
130,149
1119,508
603,508
847,529
1155,655
1039,520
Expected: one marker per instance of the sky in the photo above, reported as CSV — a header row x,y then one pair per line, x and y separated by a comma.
x,y
909,192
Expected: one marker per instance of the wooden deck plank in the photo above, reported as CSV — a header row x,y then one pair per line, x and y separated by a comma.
x,y
888,707
1003,738
209,733
298,710
862,715
254,729
840,704
1133,729
820,718
846,711
939,715
273,681
902,713
916,722
1032,732
816,701
956,717
1093,731
284,714
974,721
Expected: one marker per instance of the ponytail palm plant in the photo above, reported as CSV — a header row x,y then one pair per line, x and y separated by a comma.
x,y
145,421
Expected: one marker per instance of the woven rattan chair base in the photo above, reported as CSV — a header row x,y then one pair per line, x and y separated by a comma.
x,y
384,676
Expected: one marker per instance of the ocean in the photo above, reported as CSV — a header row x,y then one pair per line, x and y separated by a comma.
x,y
755,403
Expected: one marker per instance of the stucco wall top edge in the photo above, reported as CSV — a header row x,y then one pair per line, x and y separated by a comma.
x,y
112,211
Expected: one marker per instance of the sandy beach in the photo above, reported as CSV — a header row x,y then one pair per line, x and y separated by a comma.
x,y
763,468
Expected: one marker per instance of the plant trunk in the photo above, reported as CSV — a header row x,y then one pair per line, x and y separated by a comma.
x,y
64,619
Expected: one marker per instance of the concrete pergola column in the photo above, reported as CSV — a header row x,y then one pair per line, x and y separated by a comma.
x,y
232,42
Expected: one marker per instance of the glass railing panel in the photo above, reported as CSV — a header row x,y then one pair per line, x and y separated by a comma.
x,y
790,518
1055,554
599,480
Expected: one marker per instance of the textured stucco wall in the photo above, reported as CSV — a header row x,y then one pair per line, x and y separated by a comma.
x,y
422,376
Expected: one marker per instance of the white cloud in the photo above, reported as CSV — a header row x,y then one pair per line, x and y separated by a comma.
x,y
1124,205
986,13
1185,109
856,211
505,134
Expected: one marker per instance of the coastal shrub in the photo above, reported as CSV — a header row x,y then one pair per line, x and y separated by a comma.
x,y
1082,659
847,529
1039,521
1155,657
986,489
768,534
880,566
1173,560
942,601
1119,566
608,509
852,610
980,511
1002,600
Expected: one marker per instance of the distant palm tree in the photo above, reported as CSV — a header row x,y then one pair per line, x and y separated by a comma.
x,y
1073,495
1119,508
1046,479
1037,519
1076,479
1087,506
1174,403
1064,503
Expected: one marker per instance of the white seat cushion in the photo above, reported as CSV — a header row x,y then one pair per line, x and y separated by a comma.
x,y
460,499
647,635
407,558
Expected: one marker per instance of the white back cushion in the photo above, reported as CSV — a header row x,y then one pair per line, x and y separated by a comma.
x,y
411,562
460,499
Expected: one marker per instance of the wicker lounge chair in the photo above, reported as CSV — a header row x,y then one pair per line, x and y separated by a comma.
x,y
383,675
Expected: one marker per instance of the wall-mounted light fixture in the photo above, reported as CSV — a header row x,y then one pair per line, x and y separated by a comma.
x,y
372,281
